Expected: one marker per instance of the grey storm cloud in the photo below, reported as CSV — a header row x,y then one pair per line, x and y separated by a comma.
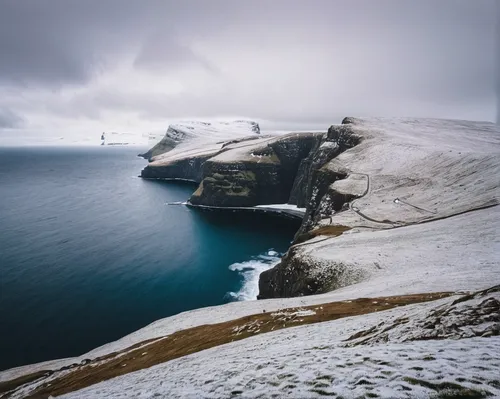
x,y
9,120
293,61
67,41
52,42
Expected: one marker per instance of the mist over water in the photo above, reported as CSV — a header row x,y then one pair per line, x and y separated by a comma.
x,y
89,252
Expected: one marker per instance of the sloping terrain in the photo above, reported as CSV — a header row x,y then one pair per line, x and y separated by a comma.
x,y
392,173
443,348
187,134
394,209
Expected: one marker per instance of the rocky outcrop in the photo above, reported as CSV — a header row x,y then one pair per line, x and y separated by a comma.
x,y
365,175
166,144
241,172
384,174
259,174
186,162
185,169
197,133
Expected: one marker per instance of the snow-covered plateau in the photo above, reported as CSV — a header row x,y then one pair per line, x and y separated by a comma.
x,y
390,288
184,135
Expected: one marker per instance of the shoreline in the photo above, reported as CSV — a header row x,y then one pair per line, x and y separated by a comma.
x,y
170,179
285,210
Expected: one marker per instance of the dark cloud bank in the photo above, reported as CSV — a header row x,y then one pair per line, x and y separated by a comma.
x,y
293,63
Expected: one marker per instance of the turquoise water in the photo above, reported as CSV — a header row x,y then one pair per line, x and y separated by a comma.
x,y
89,252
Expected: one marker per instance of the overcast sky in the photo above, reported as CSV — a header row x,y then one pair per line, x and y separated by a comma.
x,y
136,65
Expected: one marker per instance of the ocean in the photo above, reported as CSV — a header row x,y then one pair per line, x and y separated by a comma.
x,y
89,252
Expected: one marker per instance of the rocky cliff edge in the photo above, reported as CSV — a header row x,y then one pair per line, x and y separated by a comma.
x,y
373,176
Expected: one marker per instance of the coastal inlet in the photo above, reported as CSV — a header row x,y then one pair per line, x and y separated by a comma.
x,y
89,252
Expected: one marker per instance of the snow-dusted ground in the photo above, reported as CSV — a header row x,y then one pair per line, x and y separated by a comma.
x,y
196,148
321,360
221,149
186,131
302,365
412,171
462,254
458,253
415,170
195,138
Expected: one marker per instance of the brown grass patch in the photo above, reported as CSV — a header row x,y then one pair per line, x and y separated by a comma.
x,y
9,385
196,339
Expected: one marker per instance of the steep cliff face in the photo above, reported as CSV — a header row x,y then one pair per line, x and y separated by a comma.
x,y
258,174
186,162
383,174
186,169
366,175
396,209
242,172
315,179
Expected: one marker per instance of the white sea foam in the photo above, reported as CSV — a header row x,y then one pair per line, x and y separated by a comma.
x,y
250,271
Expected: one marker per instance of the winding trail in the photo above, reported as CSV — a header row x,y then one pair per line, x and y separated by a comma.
x,y
356,210
393,225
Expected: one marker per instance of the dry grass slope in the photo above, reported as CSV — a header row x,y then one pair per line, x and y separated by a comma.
x,y
203,337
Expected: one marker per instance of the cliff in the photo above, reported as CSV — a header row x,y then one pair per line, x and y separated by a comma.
x,y
384,176
246,172
400,227
198,133
363,176
257,173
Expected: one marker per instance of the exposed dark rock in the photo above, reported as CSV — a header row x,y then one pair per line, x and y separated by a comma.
x,y
318,197
240,184
264,174
166,144
319,154
293,277
288,169
292,280
322,178
290,277
187,168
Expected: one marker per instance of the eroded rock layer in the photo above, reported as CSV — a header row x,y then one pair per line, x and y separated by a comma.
x,y
259,174
363,176
386,174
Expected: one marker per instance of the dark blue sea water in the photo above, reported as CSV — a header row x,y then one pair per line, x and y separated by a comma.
x,y
89,252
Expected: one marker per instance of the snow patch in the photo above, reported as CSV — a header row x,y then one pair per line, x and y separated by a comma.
x,y
211,131
298,313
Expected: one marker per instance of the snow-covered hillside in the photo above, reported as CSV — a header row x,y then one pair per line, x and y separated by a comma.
x,y
184,135
418,203
387,354
211,131
392,173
